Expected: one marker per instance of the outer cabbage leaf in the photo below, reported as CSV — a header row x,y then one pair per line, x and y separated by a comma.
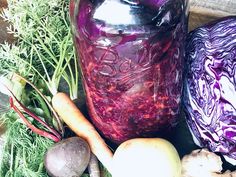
x,y
210,86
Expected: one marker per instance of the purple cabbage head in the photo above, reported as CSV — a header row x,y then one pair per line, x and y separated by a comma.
x,y
210,86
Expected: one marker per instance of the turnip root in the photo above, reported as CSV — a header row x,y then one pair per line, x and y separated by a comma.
x,y
202,163
68,158
151,157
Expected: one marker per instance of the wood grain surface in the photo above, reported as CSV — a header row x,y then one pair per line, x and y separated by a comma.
x,y
4,36
224,6
3,3
204,11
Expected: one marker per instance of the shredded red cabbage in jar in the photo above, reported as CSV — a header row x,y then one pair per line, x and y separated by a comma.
x,y
131,58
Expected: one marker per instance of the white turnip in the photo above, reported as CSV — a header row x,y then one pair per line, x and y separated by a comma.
x,y
151,157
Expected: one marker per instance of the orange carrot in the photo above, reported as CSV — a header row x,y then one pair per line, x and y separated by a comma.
x,y
72,116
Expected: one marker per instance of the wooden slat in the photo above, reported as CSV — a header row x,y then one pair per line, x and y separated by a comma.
x,y
204,11
225,6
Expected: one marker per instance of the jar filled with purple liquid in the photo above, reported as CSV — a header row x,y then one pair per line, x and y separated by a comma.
x,y
131,56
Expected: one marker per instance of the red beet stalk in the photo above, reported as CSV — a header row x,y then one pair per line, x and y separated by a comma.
x,y
32,127
37,118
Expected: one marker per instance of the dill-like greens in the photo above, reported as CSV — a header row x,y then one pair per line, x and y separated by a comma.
x,y
23,151
44,46
44,54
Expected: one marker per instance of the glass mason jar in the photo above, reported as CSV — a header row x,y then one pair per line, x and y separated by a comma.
x,y
131,55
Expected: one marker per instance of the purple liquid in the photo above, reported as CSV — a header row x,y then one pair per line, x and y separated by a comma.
x,y
131,58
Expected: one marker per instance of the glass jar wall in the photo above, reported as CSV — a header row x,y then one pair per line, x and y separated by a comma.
x,y
131,54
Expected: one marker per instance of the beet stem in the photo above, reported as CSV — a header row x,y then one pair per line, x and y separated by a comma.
x,y
32,127
55,115
38,119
